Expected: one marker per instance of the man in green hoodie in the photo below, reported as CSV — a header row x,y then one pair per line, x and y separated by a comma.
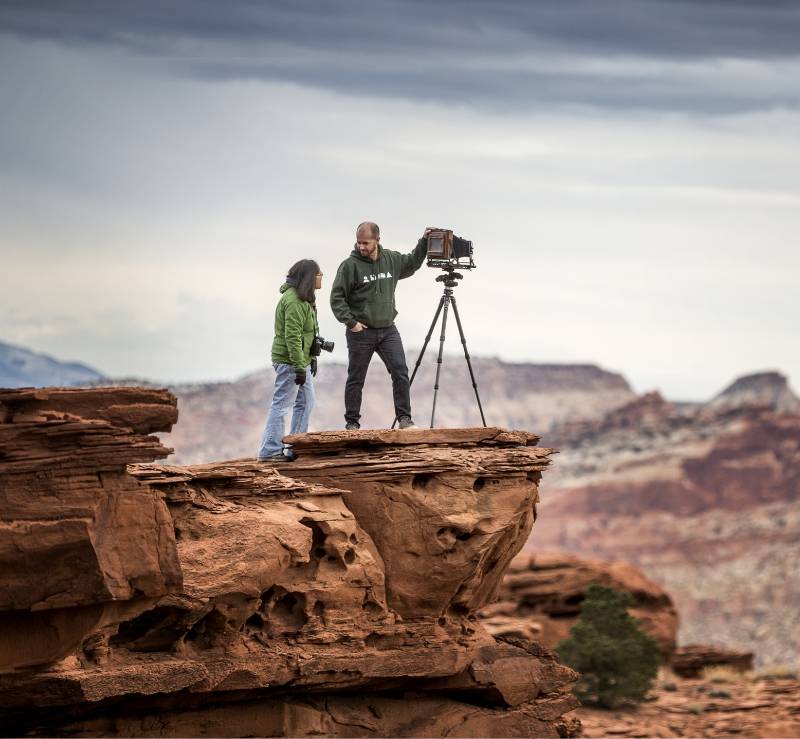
x,y
362,298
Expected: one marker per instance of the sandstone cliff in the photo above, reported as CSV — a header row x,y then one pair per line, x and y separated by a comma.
x,y
335,595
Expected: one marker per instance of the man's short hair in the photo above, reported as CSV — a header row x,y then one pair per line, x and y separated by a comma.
x,y
373,227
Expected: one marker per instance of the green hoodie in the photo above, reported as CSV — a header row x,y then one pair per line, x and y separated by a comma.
x,y
295,328
363,290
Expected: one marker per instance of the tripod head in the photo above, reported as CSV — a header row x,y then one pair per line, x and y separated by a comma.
x,y
450,278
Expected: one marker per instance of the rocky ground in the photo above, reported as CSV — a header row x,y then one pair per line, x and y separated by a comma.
x,y
721,703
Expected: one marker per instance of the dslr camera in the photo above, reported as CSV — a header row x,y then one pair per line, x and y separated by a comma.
x,y
319,345
448,251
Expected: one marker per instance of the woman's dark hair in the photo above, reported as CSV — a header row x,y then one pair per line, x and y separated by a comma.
x,y
303,278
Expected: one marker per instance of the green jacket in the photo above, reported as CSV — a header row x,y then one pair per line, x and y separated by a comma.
x,y
295,328
364,290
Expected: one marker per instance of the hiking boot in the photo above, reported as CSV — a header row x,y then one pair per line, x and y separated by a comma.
x,y
287,456
406,422
352,427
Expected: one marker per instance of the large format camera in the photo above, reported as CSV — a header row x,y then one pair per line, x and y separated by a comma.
x,y
447,251
319,345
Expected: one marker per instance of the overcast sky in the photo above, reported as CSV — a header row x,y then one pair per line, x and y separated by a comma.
x,y
629,172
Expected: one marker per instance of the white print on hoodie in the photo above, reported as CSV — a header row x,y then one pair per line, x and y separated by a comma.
x,y
379,276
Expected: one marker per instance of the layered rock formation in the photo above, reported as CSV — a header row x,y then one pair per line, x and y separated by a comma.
x,y
691,660
232,599
706,501
79,537
542,594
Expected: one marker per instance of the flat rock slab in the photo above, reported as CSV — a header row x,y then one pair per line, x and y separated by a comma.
x,y
330,440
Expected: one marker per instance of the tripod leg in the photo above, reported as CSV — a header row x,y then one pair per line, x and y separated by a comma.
x,y
424,346
445,300
466,356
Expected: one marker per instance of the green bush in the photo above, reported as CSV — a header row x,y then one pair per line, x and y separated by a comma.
x,y
615,658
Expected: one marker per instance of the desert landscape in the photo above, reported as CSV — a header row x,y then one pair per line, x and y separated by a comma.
x,y
390,368
317,596
703,497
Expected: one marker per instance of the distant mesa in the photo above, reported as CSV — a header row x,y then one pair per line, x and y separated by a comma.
x,y
770,389
21,367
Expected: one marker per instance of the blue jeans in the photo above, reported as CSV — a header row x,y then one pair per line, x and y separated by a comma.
x,y
285,394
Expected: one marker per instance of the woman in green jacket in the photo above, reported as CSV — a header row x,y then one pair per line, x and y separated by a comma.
x,y
295,329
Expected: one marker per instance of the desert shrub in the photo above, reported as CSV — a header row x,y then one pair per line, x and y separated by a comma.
x,y
667,679
615,657
777,672
723,674
719,693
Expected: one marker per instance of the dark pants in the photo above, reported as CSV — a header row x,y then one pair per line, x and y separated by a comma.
x,y
360,347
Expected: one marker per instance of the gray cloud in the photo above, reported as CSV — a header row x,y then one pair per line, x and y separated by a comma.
x,y
491,54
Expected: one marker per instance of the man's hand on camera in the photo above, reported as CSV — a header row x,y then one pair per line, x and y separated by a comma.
x,y
358,327
314,367
300,377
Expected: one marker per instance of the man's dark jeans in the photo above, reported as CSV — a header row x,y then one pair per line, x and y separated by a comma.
x,y
361,345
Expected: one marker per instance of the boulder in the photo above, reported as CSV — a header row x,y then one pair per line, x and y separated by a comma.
x,y
691,660
541,595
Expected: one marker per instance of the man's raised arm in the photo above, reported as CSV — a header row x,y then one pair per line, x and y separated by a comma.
x,y
411,262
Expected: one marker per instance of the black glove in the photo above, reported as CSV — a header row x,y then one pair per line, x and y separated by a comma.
x,y
300,377
314,367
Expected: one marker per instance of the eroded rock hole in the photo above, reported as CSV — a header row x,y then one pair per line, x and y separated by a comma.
x,y
318,548
256,621
289,610
420,481
448,536
479,484
208,628
152,631
349,556
371,607
353,539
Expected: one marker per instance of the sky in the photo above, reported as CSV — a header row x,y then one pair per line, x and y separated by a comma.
x,y
628,171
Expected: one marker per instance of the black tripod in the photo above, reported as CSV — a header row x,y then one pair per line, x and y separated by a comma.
x,y
450,280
